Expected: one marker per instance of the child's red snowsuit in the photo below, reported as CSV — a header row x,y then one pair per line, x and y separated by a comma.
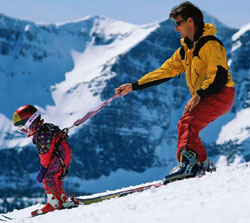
x,y
45,137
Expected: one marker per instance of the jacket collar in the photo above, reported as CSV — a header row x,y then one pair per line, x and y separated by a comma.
x,y
35,126
209,29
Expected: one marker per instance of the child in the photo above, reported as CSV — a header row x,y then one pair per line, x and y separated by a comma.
x,y
54,153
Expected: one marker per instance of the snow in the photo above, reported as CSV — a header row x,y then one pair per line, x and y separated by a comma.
x,y
222,196
241,32
236,45
74,94
117,179
67,96
27,27
237,129
6,130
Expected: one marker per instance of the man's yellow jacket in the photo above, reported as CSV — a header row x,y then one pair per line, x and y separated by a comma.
x,y
204,63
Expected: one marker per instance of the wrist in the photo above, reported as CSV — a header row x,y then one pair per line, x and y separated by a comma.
x,y
135,86
197,96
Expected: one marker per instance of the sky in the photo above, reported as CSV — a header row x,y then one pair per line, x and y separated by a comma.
x,y
232,13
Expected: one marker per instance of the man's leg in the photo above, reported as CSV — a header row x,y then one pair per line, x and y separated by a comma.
x,y
193,122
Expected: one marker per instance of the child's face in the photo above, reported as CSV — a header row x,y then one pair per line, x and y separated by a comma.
x,y
27,131
22,129
30,132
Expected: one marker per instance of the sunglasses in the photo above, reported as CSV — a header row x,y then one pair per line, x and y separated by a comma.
x,y
179,22
23,129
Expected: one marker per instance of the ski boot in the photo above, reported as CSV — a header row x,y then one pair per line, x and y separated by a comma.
x,y
53,203
188,167
68,202
56,200
207,166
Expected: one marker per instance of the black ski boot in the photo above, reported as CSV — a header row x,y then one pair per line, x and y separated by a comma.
x,y
206,166
188,167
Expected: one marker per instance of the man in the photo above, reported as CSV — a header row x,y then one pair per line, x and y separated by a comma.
x,y
203,59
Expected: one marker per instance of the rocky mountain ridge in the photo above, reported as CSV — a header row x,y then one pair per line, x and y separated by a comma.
x,y
67,69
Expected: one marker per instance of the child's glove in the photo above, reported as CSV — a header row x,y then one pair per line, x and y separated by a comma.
x,y
41,173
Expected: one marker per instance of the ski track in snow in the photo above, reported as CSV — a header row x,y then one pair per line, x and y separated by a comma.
x,y
223,196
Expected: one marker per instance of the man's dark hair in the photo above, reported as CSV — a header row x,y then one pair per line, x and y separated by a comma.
x,y
186,10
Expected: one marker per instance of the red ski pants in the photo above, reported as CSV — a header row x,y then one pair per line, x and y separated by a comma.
x,y
51,180
193,122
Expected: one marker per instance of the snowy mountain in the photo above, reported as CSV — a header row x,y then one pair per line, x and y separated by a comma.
x,y
239,126
67,69
222,196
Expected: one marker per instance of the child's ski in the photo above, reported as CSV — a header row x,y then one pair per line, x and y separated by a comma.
x,y
94,199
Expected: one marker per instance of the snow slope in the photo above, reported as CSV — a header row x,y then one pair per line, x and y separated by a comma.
x,y
70,68
68,95
239,128
219,197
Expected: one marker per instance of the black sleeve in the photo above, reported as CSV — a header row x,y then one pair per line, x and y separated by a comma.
x,y
219,83
136,86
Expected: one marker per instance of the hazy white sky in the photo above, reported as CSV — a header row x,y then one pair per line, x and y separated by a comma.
x,y
234,13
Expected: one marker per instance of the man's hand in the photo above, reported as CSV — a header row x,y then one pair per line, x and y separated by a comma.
x,y
123,89
191,104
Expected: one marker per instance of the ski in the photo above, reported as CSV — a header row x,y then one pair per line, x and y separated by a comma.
x,y
5,218
35,213
86,200
95,199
